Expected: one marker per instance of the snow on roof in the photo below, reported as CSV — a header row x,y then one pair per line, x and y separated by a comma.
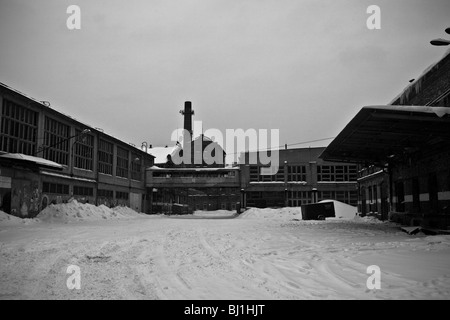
x,y
155,168
417,83
439,111
66,176
161,153
37,160
203,137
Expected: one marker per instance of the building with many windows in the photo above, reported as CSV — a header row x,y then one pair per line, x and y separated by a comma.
x,y
404,148
48,157
302,178
195,182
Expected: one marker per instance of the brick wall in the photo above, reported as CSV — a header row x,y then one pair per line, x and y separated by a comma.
x,y
427,88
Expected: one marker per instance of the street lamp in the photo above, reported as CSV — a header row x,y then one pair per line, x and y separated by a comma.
x,y
43,148
440,41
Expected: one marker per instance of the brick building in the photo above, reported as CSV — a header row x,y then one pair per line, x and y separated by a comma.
x,y
197,183
404,149
48,157
302,178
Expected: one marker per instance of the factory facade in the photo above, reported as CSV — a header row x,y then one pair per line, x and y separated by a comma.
x,y
302,178
404,149
193,181
48,157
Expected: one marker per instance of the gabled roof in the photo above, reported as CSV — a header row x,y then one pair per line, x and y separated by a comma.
x,y
161,153
204,138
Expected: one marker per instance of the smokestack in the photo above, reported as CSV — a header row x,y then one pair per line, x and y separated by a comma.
x,y
188,113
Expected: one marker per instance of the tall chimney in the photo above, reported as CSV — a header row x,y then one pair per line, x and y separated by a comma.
x,y
187,113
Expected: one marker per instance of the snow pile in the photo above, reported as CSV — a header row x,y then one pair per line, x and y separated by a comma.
x,y
75,211
288,213
343,210
10,220
370,219
216,213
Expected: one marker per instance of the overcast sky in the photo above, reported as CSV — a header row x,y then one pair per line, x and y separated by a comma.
x,y
305,67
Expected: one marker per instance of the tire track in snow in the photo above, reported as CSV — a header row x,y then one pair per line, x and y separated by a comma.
x,y
171,285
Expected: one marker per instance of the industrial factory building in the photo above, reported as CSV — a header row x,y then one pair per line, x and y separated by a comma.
x,y
405,150
48,157
302,178
195,184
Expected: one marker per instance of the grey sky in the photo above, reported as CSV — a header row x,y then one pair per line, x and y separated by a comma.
x,y
304,67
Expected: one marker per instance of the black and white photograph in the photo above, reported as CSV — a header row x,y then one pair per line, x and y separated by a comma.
x,y
226,154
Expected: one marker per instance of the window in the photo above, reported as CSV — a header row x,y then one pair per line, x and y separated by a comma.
x,y
296,173
135,167
254,174
83,150
336,173
18,132
105,157
122,163
105,193
57,188
297,198
122,195
279,176
83,191
56,141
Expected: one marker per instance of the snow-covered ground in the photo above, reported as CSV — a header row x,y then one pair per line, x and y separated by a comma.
x,y
261,254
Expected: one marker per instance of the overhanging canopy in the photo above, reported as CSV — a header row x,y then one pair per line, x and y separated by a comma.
x,y
379,133
20,158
